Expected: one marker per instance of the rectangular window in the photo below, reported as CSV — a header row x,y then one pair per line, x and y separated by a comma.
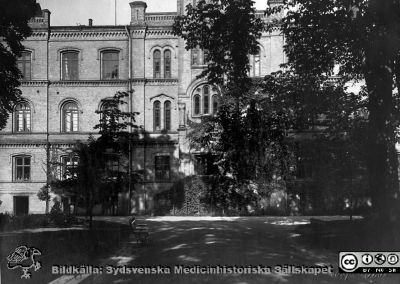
x,y
69,164
22,168
162,168
24,65
112,166
110,65
206,55
195,57
21,205
69,66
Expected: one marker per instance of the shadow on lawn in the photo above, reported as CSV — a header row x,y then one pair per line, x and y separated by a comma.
x,y
61,247
203,243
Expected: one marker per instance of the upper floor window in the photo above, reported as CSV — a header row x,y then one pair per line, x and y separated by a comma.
x,y
205,100
157,63
22,117
167,64
70,115
109,65
162,168
167,115
69,65
22,168
157,115
199,57
255,64
24,65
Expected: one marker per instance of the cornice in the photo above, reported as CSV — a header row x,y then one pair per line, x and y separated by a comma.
x,y
87,34
155,82
90,83
22,144
160,32
34,83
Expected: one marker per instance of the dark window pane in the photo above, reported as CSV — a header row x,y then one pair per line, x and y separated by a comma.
x,y
206,100
157,115
167,115
167,64
215,104
196,104
157,64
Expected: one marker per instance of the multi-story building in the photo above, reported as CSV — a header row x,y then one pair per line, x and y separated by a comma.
x,y
68,71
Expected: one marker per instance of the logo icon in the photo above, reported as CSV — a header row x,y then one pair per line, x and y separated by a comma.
x,y
392,259
380,258
349,262
24,257
367,259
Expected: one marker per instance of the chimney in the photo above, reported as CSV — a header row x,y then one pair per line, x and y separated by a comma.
x,y
90,22
138,12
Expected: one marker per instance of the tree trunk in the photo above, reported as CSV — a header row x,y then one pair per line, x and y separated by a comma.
x,y
382,156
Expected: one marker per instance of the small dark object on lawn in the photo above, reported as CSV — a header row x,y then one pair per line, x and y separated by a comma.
x,y
141,231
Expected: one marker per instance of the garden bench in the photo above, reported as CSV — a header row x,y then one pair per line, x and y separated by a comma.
x,y
141,231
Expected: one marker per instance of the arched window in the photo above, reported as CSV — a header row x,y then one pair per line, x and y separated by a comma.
x,y
206,99
196,106
157,115
24,65
69,65
167,64
157,63
167,115
109,65
257,64
70,115
22,117
105,116
214,104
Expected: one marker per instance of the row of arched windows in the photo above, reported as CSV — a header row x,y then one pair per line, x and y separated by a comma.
x,y
70,116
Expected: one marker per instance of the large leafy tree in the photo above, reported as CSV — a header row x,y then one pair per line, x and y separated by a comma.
x,y
362,37
94,180
229,30
14,17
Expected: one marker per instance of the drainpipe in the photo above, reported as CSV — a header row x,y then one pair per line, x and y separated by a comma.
x,y
144,119
47,118
130,119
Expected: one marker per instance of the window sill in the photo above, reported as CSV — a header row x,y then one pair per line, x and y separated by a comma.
x,y
22,181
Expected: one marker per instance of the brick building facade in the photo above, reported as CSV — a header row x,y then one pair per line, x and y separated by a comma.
x,y
68,70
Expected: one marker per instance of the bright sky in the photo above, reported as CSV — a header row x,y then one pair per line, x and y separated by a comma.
x,y
73,12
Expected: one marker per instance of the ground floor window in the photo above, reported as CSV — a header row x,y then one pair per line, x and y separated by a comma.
x,y
162,168
21,205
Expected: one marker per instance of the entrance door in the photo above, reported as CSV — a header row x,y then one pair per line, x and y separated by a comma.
x,y
21,205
